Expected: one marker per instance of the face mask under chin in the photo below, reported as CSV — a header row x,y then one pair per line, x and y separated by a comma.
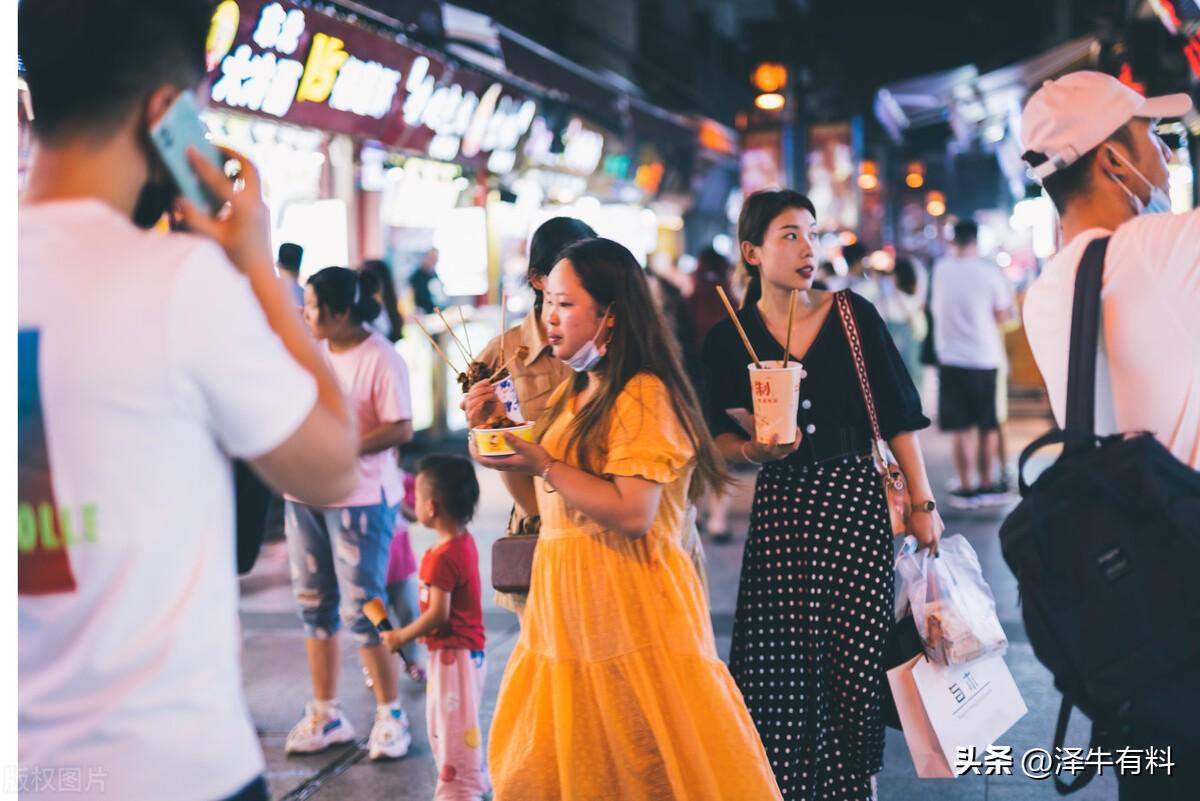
x,y
588,356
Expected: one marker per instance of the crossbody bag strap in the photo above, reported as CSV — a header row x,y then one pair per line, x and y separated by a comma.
x,y
850,326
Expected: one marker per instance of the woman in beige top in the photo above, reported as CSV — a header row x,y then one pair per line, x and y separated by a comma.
x,y
538,374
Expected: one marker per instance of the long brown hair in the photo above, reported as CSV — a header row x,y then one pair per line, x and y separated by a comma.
x,y
639,344
753,222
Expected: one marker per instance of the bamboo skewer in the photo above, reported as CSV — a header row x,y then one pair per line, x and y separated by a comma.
x,y
738,324
503,318
466,353
787,347
505,366
466,333
433,342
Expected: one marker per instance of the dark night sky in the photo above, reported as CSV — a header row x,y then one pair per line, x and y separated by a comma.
x,y
859,45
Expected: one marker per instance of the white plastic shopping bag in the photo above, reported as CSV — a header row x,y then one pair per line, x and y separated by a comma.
x,y
952,605
944,708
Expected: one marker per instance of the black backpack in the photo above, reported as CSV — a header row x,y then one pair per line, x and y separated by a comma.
x,y
1106,549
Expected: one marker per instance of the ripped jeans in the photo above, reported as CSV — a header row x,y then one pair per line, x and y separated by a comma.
x,y
338,559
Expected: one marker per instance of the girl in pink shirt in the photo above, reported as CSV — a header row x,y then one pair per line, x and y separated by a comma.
x,y
339,553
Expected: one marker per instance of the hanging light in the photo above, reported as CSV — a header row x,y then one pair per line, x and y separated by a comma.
x,y
769,101
935,204
915,178
769,78
868,175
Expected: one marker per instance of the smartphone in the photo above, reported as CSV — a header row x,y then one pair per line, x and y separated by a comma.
x,y
177,130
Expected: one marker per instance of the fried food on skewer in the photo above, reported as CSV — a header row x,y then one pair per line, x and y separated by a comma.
x,y
476,372
499,420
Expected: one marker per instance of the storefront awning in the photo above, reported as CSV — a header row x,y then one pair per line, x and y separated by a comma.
x,y
973,103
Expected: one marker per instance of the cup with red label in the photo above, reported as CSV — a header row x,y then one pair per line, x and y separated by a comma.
x,y
775,390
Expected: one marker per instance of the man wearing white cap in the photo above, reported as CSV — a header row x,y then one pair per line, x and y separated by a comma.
x,y
1091,141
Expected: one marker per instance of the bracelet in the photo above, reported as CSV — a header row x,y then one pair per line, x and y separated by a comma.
x,y
546,470
747,456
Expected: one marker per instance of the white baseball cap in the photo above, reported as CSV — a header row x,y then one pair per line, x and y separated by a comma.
x,y
1068,117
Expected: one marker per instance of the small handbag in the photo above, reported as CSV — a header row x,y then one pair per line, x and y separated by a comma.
x,y
512,558
894,486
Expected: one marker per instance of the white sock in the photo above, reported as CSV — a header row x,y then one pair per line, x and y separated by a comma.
x,y
391,706
325,709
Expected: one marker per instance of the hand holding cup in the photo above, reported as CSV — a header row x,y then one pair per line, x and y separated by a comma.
x,y
772,451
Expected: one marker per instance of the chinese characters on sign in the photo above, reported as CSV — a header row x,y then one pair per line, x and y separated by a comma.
x,y
300,65
271,81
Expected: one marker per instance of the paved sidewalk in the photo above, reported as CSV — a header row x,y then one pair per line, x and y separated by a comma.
x,y
277,685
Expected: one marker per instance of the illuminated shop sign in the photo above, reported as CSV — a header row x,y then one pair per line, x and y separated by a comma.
x,y
292,63
581,150
272,78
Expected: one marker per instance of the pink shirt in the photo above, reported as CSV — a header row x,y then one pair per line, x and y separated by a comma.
x,y
375,379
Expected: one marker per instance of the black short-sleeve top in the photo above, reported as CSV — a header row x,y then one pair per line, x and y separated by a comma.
x,y
832,414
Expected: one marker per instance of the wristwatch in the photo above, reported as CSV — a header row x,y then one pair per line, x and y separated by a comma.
x,y
925,506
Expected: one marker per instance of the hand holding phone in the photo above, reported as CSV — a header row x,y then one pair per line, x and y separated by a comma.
x,y
177,130
212,205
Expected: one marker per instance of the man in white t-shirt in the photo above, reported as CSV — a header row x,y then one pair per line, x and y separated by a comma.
x,y
1105,170
1091,141
146,361
971,299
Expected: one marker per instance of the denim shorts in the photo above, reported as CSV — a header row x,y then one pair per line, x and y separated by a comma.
x,y
338,558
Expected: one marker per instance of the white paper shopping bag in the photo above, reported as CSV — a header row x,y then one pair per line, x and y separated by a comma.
x,y
919,734
968,705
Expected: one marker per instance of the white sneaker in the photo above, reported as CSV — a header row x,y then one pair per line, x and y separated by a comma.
x,y
390,736
315,732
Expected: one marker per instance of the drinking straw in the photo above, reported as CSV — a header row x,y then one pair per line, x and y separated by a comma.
x,y
737,324
433,342
466,353
787,347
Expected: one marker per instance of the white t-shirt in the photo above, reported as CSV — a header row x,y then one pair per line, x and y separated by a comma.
x,y
146,363
375,379
1148,369
967,293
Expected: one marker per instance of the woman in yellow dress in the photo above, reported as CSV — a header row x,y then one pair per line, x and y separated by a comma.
x,y
615,690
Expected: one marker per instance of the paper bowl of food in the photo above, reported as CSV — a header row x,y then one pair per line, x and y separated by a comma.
x,y
490,441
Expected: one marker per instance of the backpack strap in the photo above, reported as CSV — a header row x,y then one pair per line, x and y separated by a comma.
x,y
1085,339
1060,734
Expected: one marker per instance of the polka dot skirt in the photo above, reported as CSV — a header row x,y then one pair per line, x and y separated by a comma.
x,y
814,606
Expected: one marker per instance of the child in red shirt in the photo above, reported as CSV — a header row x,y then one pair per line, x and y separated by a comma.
x,y
451,625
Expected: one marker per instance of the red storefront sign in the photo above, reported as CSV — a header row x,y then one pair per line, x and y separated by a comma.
x,y
276,59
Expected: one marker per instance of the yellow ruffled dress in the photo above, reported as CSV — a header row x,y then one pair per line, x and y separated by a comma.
x,y
614,689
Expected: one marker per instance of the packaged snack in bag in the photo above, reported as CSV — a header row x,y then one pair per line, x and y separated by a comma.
x,y
952,605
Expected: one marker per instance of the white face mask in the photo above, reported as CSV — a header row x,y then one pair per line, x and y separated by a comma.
x,y
1159,201
590,354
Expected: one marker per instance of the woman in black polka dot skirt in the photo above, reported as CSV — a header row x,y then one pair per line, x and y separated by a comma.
x,y
815,600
